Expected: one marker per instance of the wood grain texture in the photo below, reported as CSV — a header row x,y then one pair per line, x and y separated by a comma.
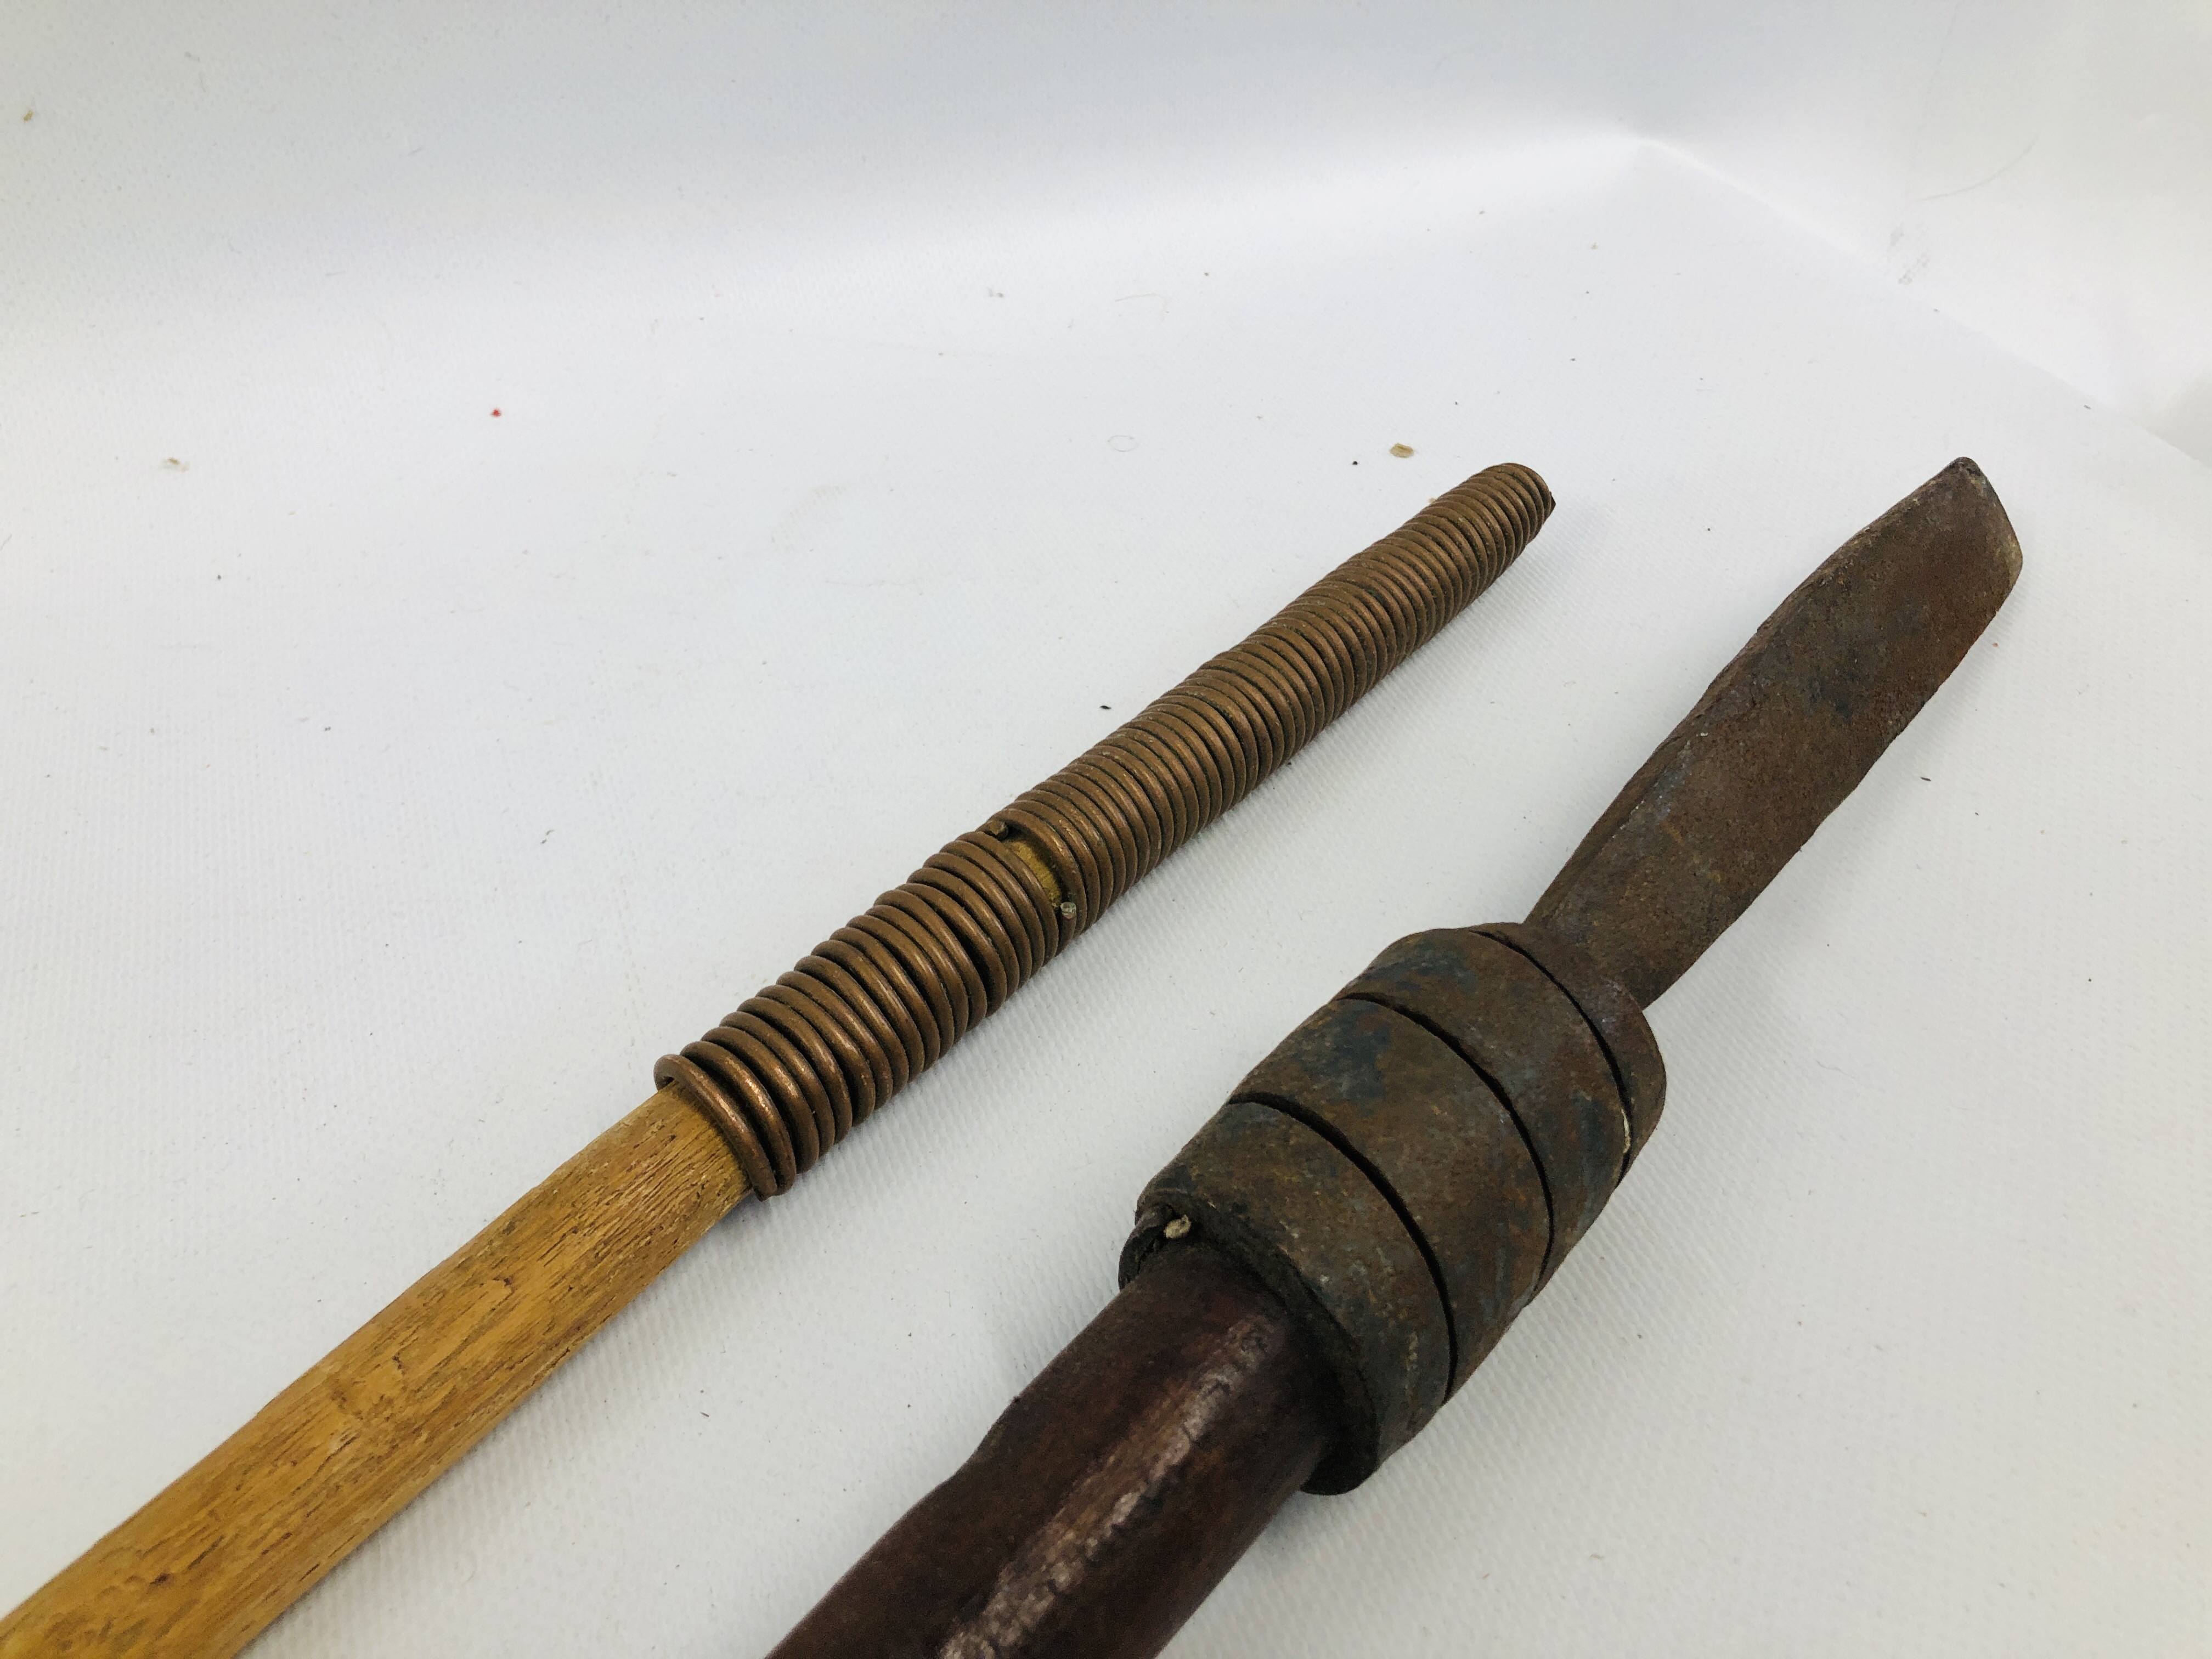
x,y
248,1531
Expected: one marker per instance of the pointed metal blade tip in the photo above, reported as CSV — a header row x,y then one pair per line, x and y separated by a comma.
x,y
1785,733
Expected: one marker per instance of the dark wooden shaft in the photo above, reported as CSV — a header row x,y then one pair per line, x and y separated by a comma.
x,y
1110,1497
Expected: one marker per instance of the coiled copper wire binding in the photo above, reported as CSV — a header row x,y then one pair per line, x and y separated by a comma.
x,y
788,1074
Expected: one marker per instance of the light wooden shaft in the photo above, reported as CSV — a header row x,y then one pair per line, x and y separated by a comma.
x,y
244,1532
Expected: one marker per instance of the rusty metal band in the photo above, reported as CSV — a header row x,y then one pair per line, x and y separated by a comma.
x,y
788,1074
1406,1168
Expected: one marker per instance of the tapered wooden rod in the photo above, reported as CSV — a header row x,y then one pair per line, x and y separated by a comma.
x,y
245,1531
243,1534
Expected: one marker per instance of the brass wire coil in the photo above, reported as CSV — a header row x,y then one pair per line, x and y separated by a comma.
x,y
787,1075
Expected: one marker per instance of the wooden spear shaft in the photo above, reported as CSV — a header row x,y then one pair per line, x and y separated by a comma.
x,y
238,1538
257,1523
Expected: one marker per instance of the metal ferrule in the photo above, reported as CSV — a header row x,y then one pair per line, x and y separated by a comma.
x,y
1411,1164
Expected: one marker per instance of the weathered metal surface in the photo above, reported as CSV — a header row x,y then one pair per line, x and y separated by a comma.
x,y
1639,1072
1480,1102
1504,1018
1110,1497
1264,1189
1453,1101
786,1076
1439,1145
1784,732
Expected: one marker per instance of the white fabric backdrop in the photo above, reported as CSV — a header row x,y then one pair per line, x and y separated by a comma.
x,y
885,397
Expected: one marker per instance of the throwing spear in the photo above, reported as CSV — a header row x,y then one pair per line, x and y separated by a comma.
x,y
1324,1264
236,1539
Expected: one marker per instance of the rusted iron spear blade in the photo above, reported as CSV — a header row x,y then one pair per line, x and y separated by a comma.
x,y
1113,1495
1785,733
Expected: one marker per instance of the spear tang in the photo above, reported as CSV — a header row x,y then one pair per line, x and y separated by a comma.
x,y
237,1538
1325,1263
